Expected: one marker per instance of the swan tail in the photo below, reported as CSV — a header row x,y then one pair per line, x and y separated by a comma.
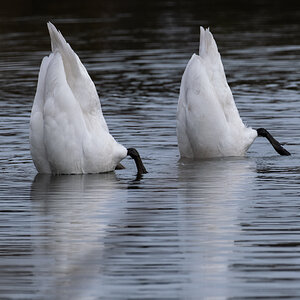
x,y
58,42
36,135
73,66
207,46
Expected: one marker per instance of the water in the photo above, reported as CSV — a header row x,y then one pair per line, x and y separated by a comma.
x,y
216,229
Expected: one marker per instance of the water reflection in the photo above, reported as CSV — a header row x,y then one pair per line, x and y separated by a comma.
x,y
219,178
266,258
71,214
212,192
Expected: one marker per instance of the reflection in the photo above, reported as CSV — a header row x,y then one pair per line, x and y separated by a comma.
x,y
72,213
212,191
135,183
268,234
71,186
215,179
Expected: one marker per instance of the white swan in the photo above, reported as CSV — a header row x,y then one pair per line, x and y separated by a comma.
x,y
208,122
68,133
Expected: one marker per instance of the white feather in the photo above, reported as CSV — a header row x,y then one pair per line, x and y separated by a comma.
x,y
208,122
68,133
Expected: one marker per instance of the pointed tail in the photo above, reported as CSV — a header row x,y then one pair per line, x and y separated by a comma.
x,y
72,64
207,44
57,39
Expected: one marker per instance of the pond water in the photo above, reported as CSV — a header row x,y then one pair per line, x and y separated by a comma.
x,y
216,229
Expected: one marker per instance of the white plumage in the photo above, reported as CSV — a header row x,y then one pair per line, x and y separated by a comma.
x,y
208,122
68,133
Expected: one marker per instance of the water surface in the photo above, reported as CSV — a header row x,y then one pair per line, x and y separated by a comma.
x,y
216,229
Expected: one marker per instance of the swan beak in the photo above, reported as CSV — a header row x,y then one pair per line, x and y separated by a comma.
x,y
133,153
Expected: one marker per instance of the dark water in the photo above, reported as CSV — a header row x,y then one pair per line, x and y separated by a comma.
x,y
216,229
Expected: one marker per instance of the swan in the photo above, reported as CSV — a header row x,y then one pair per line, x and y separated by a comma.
x,y
208,122
68,133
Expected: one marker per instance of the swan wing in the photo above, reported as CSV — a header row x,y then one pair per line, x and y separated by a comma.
x,y
62,141
77,77
36,135
64,125
54,141
201,123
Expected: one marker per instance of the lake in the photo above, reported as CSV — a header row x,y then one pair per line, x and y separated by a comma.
x,y
226,228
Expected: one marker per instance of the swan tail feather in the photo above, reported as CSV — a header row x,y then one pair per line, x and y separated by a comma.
x,y
73,66
208,45
58,42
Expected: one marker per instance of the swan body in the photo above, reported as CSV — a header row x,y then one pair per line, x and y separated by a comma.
x,y
208,122
68,133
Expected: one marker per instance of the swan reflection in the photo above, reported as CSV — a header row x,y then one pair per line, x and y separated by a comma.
x,y
75,211
214,179
212,194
